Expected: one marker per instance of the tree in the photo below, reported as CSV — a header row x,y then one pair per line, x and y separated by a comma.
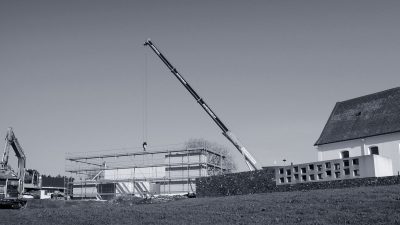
x,y
229,163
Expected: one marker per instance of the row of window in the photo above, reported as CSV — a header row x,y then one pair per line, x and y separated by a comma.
x,y
373,150
319,167
320,176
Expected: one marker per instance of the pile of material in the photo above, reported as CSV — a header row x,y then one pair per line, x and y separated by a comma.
x,y
133,200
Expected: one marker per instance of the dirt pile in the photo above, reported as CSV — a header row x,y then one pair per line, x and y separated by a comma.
x,y
133,200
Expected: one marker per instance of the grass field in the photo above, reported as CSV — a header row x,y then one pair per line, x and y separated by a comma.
x,y
364,205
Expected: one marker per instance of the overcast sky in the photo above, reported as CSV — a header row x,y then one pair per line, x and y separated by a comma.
x,y
72,72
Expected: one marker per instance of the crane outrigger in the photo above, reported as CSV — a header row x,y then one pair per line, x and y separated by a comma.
x,y
249,159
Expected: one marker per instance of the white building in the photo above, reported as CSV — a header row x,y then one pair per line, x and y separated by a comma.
x,y
335,169
360,139
367,125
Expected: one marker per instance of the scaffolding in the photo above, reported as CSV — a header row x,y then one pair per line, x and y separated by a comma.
x,y
109,174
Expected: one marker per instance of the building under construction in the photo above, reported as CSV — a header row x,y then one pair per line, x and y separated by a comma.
x,y
141,173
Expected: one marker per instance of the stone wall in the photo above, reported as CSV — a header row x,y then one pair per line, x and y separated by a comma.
x,y
236,183
263,181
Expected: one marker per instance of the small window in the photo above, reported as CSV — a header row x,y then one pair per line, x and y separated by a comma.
x,y
337,166
319,167
356,173
311,167
282,180
328,165
296,169
355,161
328,173
288,172
374,150
346,163
281,171
344,154
337,174
312,177
289,179
320,176
347,171
296,177
303,170
304,178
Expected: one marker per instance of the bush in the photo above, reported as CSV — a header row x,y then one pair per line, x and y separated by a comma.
x,y
229,163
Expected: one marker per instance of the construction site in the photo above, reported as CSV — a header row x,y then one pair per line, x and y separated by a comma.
x,y
199,112
234,112
144,172
182,170
140,173
150,172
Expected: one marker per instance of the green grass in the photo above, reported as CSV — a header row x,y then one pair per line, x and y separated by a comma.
x,y
364,205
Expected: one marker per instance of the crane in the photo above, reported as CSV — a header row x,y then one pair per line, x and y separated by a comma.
x,y
11,183
249,159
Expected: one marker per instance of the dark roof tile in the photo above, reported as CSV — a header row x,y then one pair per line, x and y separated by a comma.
x,y
361,117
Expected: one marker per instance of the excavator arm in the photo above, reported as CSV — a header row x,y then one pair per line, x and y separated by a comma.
x,y
4,159
250,161
12,142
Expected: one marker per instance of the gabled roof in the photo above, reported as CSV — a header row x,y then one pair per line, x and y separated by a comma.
x,y
361,117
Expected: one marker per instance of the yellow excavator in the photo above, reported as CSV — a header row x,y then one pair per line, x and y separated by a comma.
x,y
11,182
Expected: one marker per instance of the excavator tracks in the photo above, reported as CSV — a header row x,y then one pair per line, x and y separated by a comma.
x,y
13,203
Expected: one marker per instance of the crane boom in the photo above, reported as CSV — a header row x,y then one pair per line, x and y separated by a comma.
x,y
250,161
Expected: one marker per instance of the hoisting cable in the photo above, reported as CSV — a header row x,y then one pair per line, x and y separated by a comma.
x,y
144,145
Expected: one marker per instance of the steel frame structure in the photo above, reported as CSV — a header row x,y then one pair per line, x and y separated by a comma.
x,y
143,173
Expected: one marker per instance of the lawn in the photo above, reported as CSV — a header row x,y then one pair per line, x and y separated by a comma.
x,y
363,205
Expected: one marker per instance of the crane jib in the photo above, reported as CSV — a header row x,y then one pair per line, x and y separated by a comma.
x,y
180,78
250,161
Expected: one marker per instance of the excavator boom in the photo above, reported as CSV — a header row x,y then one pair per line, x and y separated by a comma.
x,y
12,141
12,185
250,161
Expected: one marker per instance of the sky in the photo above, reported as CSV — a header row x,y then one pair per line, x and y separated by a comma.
x,y
73,72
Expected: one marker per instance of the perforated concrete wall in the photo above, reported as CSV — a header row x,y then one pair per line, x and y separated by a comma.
x,y
263,181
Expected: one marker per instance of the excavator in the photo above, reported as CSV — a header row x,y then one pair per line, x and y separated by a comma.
x,y
11,182
249,159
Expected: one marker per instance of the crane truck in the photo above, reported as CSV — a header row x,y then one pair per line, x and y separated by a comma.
x,y
11,182
249,159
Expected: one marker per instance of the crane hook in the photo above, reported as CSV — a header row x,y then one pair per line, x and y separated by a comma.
x,y
144,146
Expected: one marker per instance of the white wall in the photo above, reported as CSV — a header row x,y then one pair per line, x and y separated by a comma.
x,y
185,173
339,169
185,159
177,188
137,173
82,192
135,188
389,146
367,166
332,151
383,166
